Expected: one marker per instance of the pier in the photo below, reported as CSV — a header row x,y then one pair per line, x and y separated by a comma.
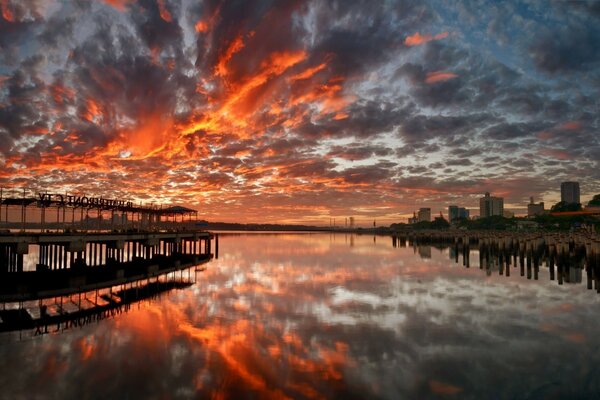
x,y
71,262
60,244
566,255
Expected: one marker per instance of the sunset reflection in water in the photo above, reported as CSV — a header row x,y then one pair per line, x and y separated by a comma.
x,y
322,316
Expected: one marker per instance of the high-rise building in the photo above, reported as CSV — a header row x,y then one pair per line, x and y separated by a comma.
x,y
569,192
456,212
534,209
452,213
489,206
424,214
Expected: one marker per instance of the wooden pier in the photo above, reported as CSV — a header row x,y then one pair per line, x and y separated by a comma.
x,y
561,253
73,262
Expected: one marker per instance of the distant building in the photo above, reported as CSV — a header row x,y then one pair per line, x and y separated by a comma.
x,y
569,192
413,219
489,206
534,209
424,214
351,222
456,212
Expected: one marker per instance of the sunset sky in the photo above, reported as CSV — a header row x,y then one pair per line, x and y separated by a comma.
x,y
301,111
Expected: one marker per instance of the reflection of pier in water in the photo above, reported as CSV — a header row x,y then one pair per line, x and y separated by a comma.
x,y
567,256
62,312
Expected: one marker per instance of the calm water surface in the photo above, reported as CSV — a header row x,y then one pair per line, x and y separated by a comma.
x,y
327,316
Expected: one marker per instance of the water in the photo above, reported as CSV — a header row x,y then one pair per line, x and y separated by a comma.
x,y
327,316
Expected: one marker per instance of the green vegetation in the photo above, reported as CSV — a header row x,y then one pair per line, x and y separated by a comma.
x,y
595,201
541,222
565,222
563,206
438,223
496,222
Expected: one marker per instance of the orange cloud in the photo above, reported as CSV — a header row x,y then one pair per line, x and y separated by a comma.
x,y
164,13
92,111
545,135
234,47
556,153
442,388
439,76
418,39
308,73
201,26
7,13
61,93
119,4
571,126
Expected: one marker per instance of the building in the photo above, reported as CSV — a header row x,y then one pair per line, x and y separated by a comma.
x,y
413,219
489,206
424,214
569,192
534,209
456,212
351,222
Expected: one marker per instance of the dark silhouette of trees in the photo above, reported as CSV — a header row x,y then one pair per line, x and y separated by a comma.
x,y
563,206
595,201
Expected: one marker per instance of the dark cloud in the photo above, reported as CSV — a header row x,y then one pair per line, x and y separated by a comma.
x,y
566,49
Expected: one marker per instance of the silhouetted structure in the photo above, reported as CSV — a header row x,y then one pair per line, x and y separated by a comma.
x,y
490,206
534,209
569,192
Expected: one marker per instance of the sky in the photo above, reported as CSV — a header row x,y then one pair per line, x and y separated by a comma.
x,y
301,111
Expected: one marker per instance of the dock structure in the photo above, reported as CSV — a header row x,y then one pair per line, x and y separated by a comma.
x,y
71,262
566,255
20,209
54,246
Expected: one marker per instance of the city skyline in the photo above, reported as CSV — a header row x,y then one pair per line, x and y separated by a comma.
x,y
298,112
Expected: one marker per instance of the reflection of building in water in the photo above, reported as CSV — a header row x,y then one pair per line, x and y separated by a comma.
x,y
424,214
424,251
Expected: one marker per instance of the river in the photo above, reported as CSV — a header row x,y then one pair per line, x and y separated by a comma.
x,y
321,315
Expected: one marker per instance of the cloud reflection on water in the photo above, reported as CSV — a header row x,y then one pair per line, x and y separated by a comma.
x,y
312,316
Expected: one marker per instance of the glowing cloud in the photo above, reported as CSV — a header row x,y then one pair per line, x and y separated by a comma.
x,y
570,126
7,13
234,47
120,5
164,13
439,76
201,26
418,39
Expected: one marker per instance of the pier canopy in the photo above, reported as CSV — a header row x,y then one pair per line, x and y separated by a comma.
x,y
63,210
175,211
178,210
